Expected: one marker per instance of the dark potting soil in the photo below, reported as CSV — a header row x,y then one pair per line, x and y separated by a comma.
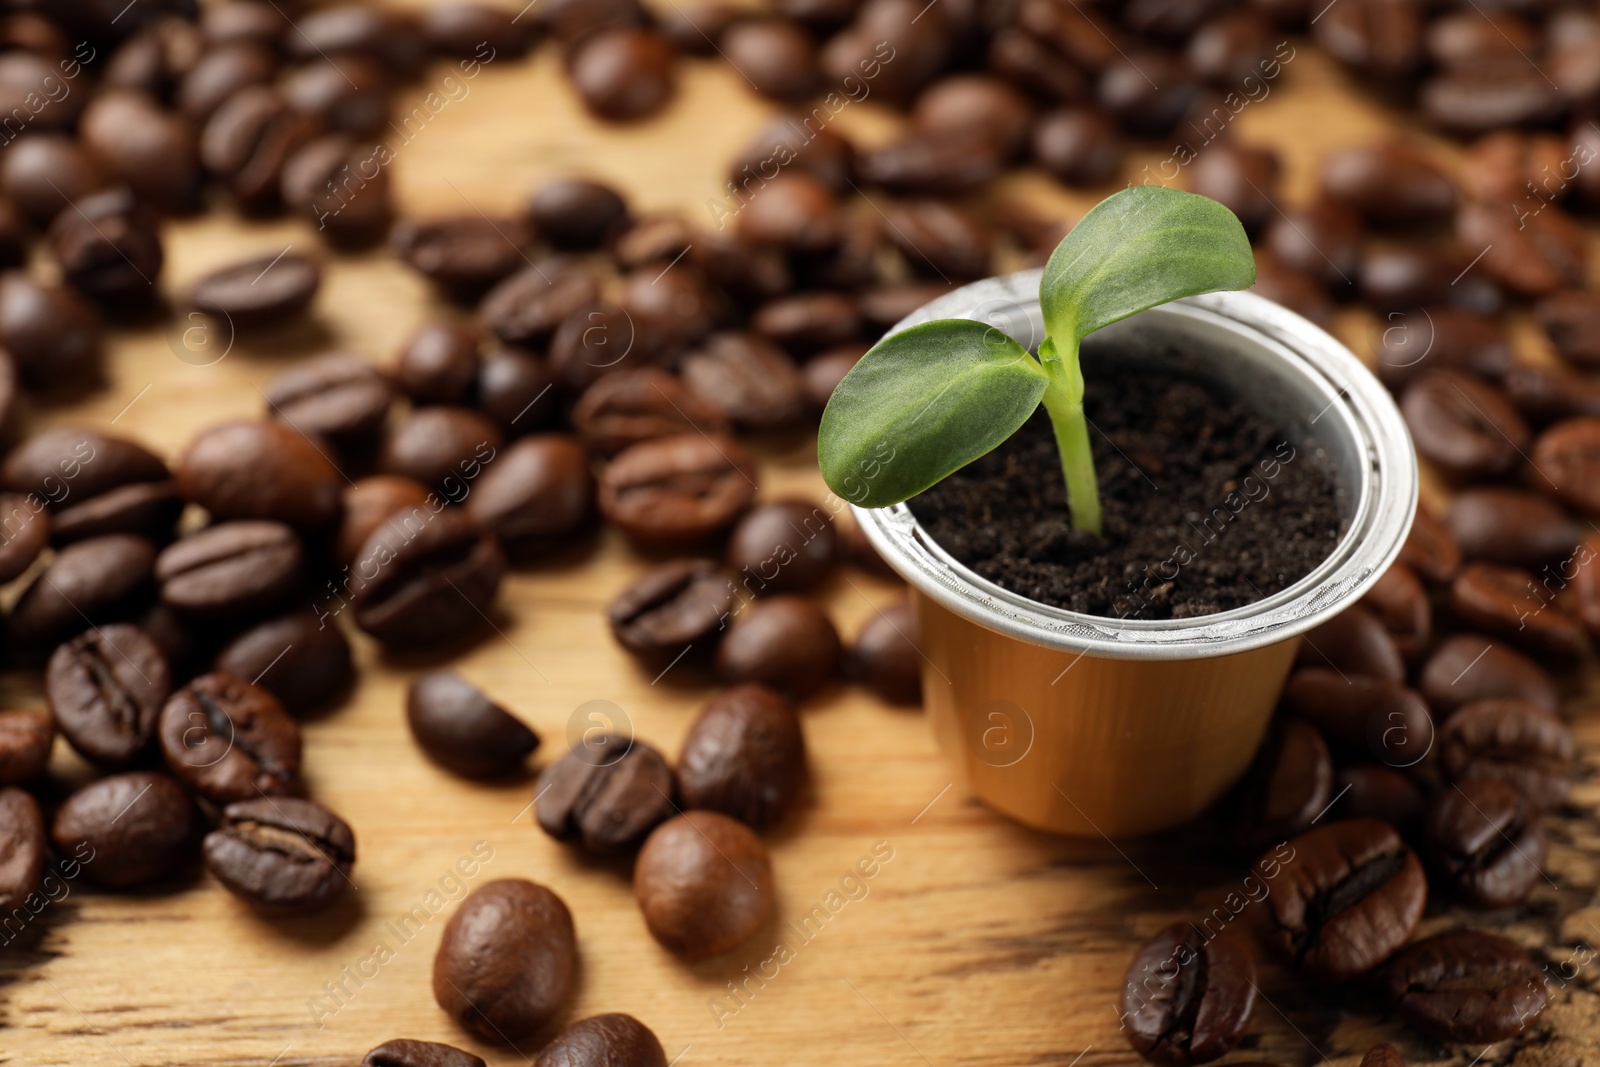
x,y
1207,506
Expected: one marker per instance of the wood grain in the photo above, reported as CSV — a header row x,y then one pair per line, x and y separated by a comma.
x,y
976,943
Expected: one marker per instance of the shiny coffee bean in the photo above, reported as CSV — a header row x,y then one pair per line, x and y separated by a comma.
x,y
88,582
229,740
1353,642
1402,607
436,579
632,406
1231,48
1465,426
301,659
747,273
883,306
597,340
147,148
1352,894
1517,605
220,73
745,756
1531,256
1242,179
506,960
1374,718
623,73
677,491
338,397
439,364
517,390
1390,185
1030,63
339,183
1484,843
260,293
345,94
1147,91
355,28
786,546
1512,526
462,28
1323,240
24,533
704,884
824,372
1400,278
803,323
51,332
1586,586
938,238
1491,97
1187,995
674,306
1373,791
935,163
371,502
821,153
883,28
612,1040
42,173
26,738
747,380
462,730
1296,290
777,56
785,642
1548,394
105,688
1377,38
605,795
444,448
795,212
659,238
673,610
1078,146
1289,785
22,850
526,308
1423,339
231,570
536,496
248,139
971,103
1430,550
1513,741
1572,320
885,657
63,466
1466,668
128,829
463,254
1566,463
1502,166
407,1052
282,855
109,248
577,213
1465,985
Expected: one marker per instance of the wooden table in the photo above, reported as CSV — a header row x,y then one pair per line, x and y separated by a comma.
x,y
978,943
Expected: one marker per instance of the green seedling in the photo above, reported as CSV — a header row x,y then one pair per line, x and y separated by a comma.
x,y
925,402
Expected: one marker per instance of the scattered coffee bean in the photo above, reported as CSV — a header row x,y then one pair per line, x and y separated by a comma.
x,y
1353,642
281,854
149,149
678,491
594,341
1323,240
1242,179
371,502
1465,426
301,659
1512,526
1572,319
229,740
885,657
109,248
439,364
1586,586
1566,462
796,212
463,730
1516,605
1391,186
1430,550
1078,146
220,73
804,323
52,333
612,1040
349,94
26,738
1351,894
1441,337
777,56
1294,289
1484,842
623,73
517,390
463,28
1465,985
576,213
247,140
632,406
105,688
1187,995
526,308
536,496
1534,255
1547,394
232,569
24,533
44,172
1373,791
435,579
1371,717
22,849
341,185
505,962
406,1052
1288,786
787,546
260,470
1466,668
88,582
338,397
704,883
261,293
444,448
1513,741
939,239
128,829
746,380
605,795
674,609
1147,91
786,642
1402,607
745,756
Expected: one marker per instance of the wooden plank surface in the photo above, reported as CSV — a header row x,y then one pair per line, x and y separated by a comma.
x,y
977,943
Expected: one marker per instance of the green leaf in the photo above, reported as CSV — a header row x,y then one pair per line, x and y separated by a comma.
x,y
1138,248
922,404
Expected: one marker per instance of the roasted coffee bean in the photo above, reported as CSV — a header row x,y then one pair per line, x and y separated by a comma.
x,y
885,657
231,569
1350,894
505,962
823,373
1289,785
884,306
371,502
787,546
975,103
1465,985
1401,278
282,855
1231,49
577,213
247,141
673,306
348,93
1586,586
1187,995
526,308
517,390
1323,240
821,153
632,406
464,254
405,1052
229,740
1534,255
302,659
1353,642
1390,185
1457,40
1547,394
745,756
145,509
22,849
26,738
744,271
805,322
1243,179
1566,461
1030,63
747,380
536,496
462,28
1370,716
594,341
1518,606
260,470
24,533
881,29
462,730
786,642
149,149
1465,426
354,28
1572,319
105,688
1513,526
1401,605
1379,38
243,20
435,579
1504,165
1466,668
439,364
612,1040
260,293
938,238
338,397
1423,339
42,173
1373,791
704,884
58,467
795,211
52,333
221,72
1148,92
1490,97
776,56
678,491
671,610
1296,290
659,238
624,73
128,829
87,583
341,185
109,248
444,448
1484,842
605,795
1513,741
1079,146
695,27
943,163
1430,550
